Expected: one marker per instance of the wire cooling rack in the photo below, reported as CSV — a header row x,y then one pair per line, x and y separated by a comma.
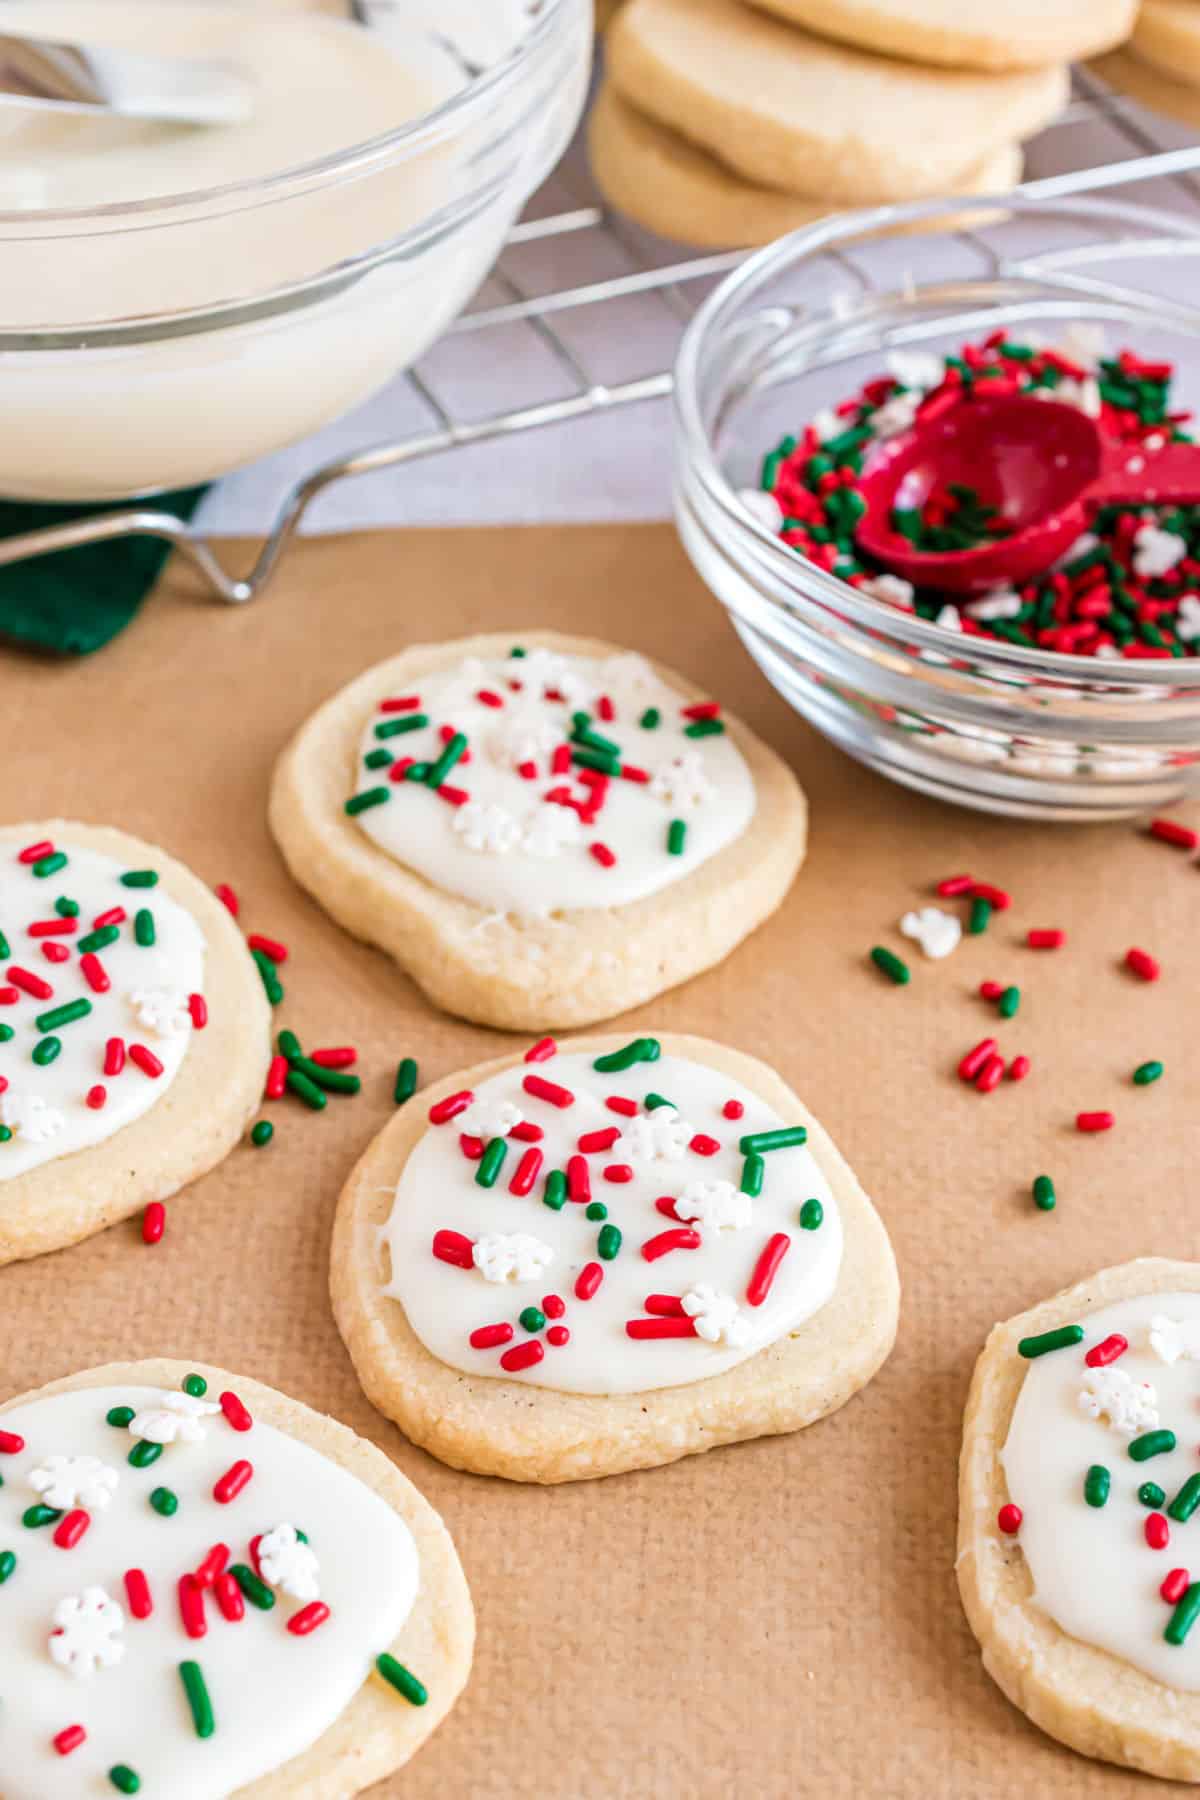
x,y
517,296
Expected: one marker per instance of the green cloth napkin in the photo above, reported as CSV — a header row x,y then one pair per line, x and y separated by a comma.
x,y
74,601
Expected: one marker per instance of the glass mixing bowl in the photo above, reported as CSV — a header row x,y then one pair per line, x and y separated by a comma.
x,y
803,324
278,303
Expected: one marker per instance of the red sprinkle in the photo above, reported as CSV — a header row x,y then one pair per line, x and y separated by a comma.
x,y
145,1060
1140,961
34,852
453,1247
232,1482
975,1059
1019,1068
1094,1121
1175,1586
229,1598
579,1180
1009,1519
733,1109
488,698
93,972
453,796
542,1051
618,1173
30,984
42,928
9,996
308,1618
703,1145
527,770
548,1090
599,1140
664,1306
660,1328
11,1444
702,709
560,761
70,1739
982,890
341,1056
55,952
96,1096
227,897
631,773
558,1335
991,1075
1158,1532
553,1305
154,1222
489,1337
71,1528
606,709
682,1238
526,1172
471,1147
953,885
407,703
619,1104
137,1590
1047,939
213,1565
198,1008
277,1074
235,1412
114,1056
449,1108
191,1606
522,1356
1182,836
588,1280
400,768
990,990
665,1204
1100,1355
116,915
528,1132
767,1267
603,855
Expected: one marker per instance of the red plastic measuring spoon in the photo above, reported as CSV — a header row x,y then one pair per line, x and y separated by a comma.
x,y
1044,465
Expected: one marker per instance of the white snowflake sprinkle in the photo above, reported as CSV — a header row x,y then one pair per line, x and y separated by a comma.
x,y
511,1256
552,830
67,1481
1172,1338
897,414
715,1206
682,784
29,1116
718,1317
544,670
164,1011
1083,344
1083,395
289,1563
1187,621
88,1634
949,618
488,826
176,1419
937,932
526,735
1129,1406
921,369
893,590
763,508
1155,551
659,1136
1000,603
489,1118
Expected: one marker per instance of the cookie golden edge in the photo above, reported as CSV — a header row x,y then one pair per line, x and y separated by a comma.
x,y
988,46
202,1115
493,1426
376,1734
523,975
1085,1697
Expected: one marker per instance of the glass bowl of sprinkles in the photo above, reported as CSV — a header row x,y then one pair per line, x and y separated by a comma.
x,y
1071,695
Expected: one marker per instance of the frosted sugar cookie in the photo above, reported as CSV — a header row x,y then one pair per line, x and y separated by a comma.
x,y
542,830
605,1257
1020,34
134,1033
1167,37
210,1589
679,191
1079,1528
800,113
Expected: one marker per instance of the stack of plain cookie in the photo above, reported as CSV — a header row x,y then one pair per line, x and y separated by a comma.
x,y
724,123
1161,64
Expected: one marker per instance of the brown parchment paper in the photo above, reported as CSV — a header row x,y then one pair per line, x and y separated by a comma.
x,y
771,1620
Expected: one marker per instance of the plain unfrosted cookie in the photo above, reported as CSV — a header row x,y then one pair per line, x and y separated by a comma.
x,y
205,1608
147,1079
793,111
1167,37
532,889
673,188
432,1248
968,34
606,12
1100,1458
1128,74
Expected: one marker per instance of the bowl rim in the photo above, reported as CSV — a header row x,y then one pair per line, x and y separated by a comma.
x,y
694,448
412,137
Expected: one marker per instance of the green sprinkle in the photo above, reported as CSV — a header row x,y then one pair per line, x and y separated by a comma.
x,y
652,1102
532,1319
417,771
334,1081
980,916
1151,1495
1044,1197
375,796
518,650
702,728
378,759
491,1163
272,986
64,907
1184,1616
753,1170
96,940
397,1676
195,1385
811,1215
143,1454
46,1050
1186,1500
1147,1072
192,1676
757,1143
1045,1341
891,966
651,719
597,1212
124,1779
676,837
63,1015
446,761
119,1416
140,878
390,728
261,1133
257,1592
143,927
165,1502
50,865
1154,1443
8,1563
289,1045
406,1080
594,759
5,1134
35,1516
554,1194
640,1050
307,1090
608,1243
6,1032
1009,1002
1096,1484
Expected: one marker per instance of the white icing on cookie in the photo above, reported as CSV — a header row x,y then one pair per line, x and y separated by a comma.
x,y
75,1651
1093,1570
507,846
45,1104
689,1148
